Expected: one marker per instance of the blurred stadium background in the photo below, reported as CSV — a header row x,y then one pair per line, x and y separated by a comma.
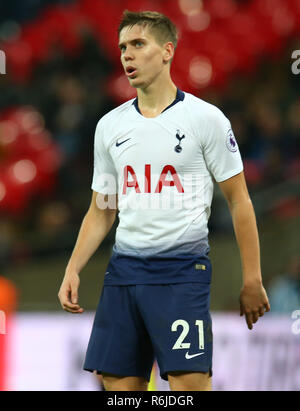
x,y
62,74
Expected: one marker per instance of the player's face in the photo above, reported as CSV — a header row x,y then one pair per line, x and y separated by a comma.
x,y
141,55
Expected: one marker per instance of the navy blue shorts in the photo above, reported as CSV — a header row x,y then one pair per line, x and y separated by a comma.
x,y
134,324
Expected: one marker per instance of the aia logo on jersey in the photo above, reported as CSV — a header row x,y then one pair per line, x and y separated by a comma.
x,y
178,148
131,180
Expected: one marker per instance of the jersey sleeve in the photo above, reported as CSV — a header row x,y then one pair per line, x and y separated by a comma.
x,y
104,176
221,151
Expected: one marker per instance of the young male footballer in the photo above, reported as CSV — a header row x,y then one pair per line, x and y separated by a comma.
x,y
155,161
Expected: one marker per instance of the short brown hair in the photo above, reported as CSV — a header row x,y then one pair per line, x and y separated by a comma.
x,y
163,27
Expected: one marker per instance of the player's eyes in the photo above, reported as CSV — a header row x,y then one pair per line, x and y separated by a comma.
x,y
137,44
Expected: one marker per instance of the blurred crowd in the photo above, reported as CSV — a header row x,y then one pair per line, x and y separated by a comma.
x,y
284,290
265,116
69,94
27,10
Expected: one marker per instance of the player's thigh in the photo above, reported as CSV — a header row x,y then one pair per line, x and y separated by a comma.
x,y
179,323
119,342
195,381
119,383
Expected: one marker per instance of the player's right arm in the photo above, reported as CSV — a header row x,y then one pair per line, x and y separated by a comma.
x,y
224,162
94,228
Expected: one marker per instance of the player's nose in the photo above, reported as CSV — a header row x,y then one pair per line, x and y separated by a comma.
x,y
128,55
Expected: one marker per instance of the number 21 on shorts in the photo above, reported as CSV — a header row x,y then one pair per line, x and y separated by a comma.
x,y
180,344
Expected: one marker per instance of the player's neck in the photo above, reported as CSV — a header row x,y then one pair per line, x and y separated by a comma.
x,y
156,97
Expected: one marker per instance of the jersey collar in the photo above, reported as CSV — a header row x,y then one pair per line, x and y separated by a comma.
x,y
179,97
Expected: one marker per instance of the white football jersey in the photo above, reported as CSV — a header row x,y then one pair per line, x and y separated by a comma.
x,y
163,170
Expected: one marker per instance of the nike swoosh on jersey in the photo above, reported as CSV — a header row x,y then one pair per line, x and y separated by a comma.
x,y
188,356
122,142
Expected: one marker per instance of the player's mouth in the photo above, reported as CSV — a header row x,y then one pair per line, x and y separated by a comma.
x,y
131,71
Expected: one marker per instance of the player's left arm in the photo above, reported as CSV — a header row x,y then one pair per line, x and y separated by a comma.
x,y
253,298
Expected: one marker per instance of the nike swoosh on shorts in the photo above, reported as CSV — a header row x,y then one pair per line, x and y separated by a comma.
x,y
188,356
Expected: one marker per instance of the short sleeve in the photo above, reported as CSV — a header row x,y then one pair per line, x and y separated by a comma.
x,y
221,151
104,176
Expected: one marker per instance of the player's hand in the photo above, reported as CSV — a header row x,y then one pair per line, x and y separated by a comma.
x,y
253,303
68,294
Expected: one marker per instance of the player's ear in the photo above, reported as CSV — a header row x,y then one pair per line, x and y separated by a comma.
x,y
168,52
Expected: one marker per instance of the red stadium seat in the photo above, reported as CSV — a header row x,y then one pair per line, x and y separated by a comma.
x,y
30,159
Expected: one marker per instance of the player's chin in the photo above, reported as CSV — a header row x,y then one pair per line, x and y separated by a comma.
x,y
136,82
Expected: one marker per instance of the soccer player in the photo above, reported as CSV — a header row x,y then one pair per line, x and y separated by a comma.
x,y
155,161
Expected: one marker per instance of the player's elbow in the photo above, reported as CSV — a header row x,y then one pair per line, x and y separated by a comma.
x,y
242,211
103,207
